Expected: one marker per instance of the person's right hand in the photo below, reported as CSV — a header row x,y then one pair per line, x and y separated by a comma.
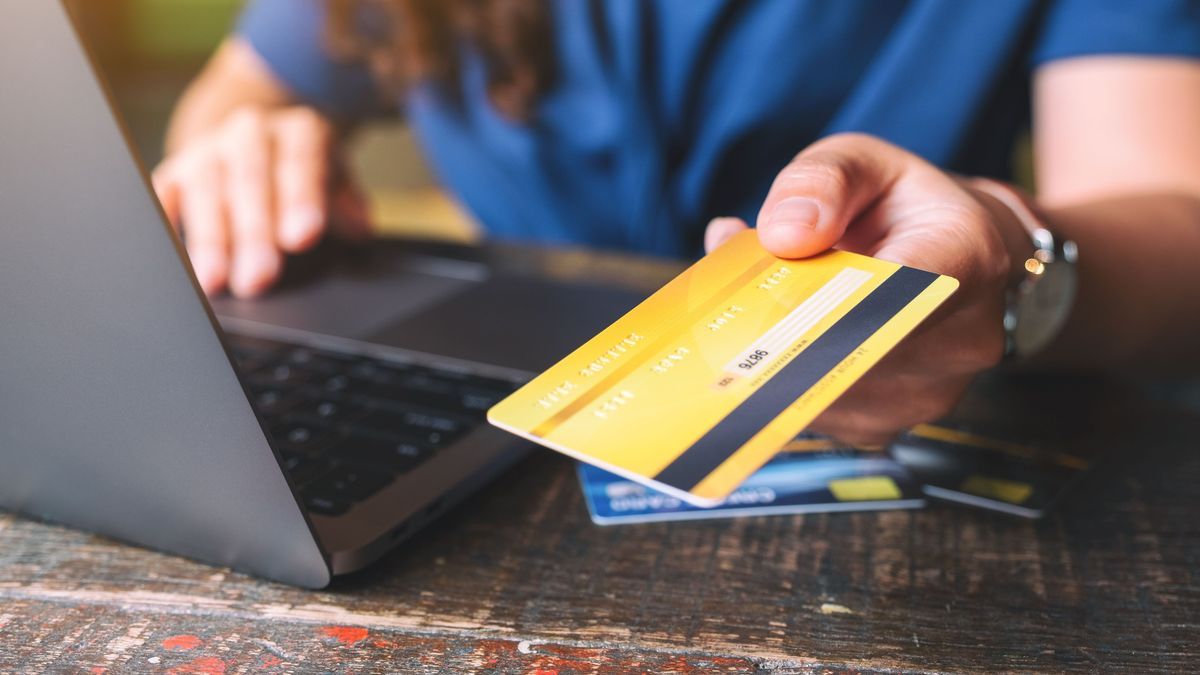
x,y
264,182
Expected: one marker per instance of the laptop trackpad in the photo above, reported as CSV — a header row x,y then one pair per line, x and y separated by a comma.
x,y
352,305
527,324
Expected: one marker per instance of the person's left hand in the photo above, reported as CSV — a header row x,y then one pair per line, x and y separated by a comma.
x,y
861,194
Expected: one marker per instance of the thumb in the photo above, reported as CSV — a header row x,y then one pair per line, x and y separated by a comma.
x,y
816,197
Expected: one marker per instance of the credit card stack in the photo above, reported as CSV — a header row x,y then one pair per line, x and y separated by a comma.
x,y
814,474
811,474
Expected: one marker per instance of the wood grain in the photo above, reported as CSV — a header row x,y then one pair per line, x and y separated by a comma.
x,y
518,580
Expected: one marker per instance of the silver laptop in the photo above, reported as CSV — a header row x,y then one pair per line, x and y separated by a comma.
x,y
297,437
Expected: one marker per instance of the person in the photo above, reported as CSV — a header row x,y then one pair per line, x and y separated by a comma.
x,y
663,126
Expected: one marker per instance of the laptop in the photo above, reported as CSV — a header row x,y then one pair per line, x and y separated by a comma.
x,y
297,437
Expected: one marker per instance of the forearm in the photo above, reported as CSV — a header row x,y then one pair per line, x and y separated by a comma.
x,y
1138,302
235,77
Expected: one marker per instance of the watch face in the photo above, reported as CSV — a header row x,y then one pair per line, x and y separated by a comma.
x,y
1044,308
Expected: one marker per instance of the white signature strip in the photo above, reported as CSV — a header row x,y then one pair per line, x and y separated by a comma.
x,y
785,332
816,307
801,319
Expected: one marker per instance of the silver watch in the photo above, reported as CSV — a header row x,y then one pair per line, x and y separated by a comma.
x,y
1041,303
1039,306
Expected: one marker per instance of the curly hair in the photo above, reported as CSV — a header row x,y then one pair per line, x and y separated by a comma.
x,y
409,41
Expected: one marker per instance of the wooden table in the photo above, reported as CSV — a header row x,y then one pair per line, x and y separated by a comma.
x,y
518,579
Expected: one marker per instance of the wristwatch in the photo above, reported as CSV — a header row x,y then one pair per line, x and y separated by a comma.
x,y
1041,302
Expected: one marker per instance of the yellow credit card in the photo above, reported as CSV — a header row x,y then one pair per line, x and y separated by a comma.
x,y
702,383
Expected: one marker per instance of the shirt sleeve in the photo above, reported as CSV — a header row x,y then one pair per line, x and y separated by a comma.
x,y
1136,27
289,35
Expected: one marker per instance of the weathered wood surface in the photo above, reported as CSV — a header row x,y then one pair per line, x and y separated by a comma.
x,y
518,580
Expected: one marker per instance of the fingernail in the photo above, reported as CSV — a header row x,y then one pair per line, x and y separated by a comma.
x,y
724,222
795,213
720,230
209,270
299,225
254,270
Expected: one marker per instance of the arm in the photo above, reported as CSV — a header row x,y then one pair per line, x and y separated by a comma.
x,y
1119,163
234,77
1117,142
250,175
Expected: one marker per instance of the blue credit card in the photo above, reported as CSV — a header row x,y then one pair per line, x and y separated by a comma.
x,y
811,475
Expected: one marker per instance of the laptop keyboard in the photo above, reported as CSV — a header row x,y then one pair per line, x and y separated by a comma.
x,y
348,426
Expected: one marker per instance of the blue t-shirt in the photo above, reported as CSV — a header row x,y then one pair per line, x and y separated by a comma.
x,y
669,112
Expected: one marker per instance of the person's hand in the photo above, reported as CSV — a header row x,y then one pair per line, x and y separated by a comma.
x,y
264,182
860,194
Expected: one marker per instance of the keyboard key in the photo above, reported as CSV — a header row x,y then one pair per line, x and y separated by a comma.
x,y
281,375
302,468
270,401
430,429
375,369
326,411
326,506
388,387
477,399
400,398
434,422
423,379
397,456
335,384
351,483
299,435
325,362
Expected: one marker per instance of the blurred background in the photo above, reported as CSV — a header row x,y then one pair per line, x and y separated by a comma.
x,y
149,50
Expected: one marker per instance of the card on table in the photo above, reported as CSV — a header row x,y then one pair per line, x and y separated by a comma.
x,y
809,475
701,384
987,470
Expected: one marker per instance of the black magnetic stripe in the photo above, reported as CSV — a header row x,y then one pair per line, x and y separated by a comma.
x,y
797,377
